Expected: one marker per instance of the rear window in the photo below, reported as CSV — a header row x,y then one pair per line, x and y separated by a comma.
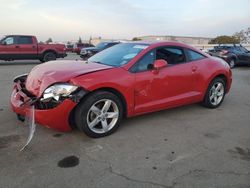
x,y
25,40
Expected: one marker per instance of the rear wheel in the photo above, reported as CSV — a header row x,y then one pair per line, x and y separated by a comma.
x,y
99,115
215,93
49,56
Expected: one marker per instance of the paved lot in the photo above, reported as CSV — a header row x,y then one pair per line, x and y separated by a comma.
x,y
189,146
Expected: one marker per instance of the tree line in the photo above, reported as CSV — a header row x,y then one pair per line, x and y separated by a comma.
x,y
242,36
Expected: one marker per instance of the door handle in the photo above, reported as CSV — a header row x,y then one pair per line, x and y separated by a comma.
x,y
194,68
33,46
17,46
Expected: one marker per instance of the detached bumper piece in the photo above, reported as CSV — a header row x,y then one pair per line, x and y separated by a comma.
x,y
51,115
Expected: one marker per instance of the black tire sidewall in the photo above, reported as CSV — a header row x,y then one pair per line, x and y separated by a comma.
x,y
206,101
48,54
84,106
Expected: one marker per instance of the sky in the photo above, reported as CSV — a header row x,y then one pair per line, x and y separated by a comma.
x,y
66,20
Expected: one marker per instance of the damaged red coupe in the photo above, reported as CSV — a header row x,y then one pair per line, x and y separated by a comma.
x,y
125,80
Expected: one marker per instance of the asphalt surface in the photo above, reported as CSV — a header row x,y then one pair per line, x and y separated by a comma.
x,y
189,146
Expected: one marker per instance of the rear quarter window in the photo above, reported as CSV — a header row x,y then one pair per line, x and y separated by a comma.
x,y
193,55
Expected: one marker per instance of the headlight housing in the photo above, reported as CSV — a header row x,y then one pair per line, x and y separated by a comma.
x,y
58,90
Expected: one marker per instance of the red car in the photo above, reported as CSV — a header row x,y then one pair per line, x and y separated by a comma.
x,y
125,80
17,47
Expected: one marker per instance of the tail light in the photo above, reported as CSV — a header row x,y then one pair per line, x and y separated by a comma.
x,y
223,52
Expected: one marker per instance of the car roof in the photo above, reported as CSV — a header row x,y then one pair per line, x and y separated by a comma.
x,y
164,43
229,45
19,35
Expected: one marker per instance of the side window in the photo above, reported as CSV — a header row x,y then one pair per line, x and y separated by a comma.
x,y
172,55
145,63
9,40
25,40
193,56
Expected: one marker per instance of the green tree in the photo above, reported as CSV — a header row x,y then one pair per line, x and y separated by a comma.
x,y
79,40
136,39
224,39
49,41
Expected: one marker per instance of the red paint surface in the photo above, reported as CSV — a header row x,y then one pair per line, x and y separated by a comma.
x,y
143,92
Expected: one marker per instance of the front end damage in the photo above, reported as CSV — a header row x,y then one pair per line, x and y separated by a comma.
x,y
54,112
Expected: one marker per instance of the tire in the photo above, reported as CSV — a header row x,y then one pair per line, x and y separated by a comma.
x,y
92,114
41,60
49,56
232,63
214,97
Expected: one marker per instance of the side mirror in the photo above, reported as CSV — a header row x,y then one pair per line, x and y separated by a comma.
x,y
3,43
159,64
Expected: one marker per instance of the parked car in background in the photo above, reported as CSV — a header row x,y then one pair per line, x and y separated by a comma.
x,y
88,52
77,47
125,80
16,47
233,54
69,47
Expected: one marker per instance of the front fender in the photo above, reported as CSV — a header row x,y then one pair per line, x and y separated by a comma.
x,y
116,79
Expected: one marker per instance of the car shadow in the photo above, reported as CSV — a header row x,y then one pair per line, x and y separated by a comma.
x,y
166,113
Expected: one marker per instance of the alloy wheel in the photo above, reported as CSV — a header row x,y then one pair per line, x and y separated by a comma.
x,y
216,93
102,116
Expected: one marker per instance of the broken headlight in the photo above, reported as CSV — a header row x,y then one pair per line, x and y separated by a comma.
x,y
58,90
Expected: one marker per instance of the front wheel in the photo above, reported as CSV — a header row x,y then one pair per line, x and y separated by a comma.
x,y
215,93
99,114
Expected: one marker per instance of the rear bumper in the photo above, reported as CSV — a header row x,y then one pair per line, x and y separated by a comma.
x,y
55,118
226,58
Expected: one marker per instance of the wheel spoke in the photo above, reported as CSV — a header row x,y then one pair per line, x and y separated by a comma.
x,y
219,87
112,114
93,123
106,106
215,100
95,110
220,93
105,125
211,97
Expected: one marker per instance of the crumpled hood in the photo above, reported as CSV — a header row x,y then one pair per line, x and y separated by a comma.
x,y
46,74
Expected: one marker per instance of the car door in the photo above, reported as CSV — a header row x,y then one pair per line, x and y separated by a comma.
x,y
199,68
27,47
171,86
8,48
245,55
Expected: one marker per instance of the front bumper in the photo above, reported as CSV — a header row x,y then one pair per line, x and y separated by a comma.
x,y
55,118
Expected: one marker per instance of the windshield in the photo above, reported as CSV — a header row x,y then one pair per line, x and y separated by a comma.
x,y
1,38
243,49
118,55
